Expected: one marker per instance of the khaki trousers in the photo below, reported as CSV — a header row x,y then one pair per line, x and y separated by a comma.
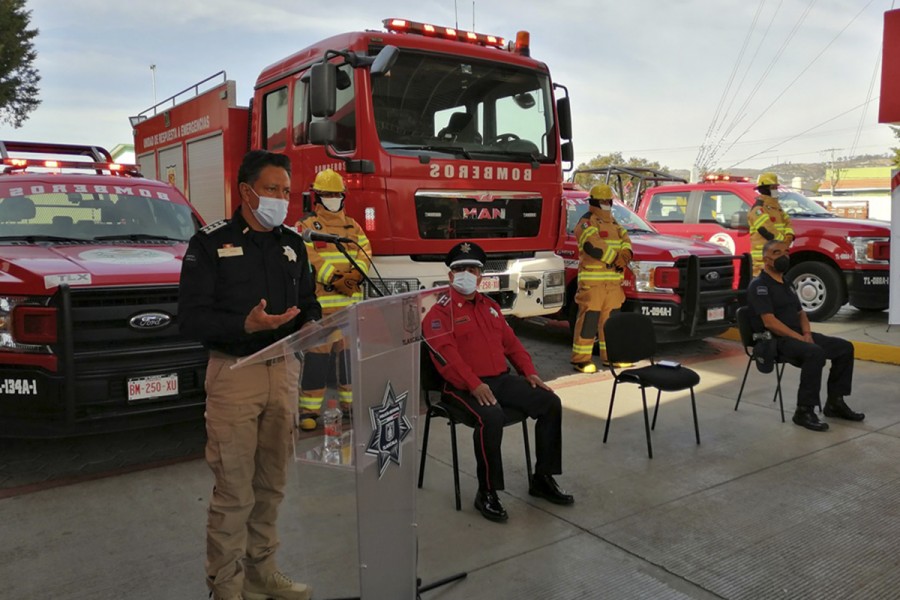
x,y
249,419
595,303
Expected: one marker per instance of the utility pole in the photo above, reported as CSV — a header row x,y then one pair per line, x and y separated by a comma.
x,y
835,176
153,77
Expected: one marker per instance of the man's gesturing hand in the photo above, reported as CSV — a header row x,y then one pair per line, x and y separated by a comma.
x,y
484,395
260,320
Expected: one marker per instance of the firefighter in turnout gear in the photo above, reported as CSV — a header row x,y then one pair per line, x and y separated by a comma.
x,y
604,252
767,220
337,286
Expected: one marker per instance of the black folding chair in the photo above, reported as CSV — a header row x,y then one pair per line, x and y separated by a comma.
x,y
630,339
431,381
746,330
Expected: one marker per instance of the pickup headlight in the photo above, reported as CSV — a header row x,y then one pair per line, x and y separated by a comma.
x,y
26,324
871,251
655,277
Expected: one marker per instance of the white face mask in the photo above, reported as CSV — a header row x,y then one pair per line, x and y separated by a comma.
x,y
271,212
774,194
333,204
464,282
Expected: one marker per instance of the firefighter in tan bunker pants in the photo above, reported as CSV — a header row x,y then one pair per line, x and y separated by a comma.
x,y
337,286
604,252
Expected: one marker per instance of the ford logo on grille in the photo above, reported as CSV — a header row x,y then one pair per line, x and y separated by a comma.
x,y
149,320
711,276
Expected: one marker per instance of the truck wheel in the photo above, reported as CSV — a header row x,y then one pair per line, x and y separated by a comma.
x,y
819,289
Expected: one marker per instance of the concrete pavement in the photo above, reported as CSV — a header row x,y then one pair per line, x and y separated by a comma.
x,y
760,509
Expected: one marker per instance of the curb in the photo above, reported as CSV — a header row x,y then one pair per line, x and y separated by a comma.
x,y
880,353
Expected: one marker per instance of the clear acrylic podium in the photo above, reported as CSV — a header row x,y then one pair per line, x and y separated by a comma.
x,y
381,340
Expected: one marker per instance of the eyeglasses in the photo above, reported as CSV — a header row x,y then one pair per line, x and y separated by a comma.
x,y
470,268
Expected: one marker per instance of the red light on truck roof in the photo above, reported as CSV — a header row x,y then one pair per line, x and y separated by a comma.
x,y
523,43
725,177
450,33
17,164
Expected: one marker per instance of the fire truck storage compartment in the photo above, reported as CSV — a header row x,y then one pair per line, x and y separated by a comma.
x,y
206,189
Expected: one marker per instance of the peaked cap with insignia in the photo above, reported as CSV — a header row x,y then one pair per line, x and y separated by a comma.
x,y
466,254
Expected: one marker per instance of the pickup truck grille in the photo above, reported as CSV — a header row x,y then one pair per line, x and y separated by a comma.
x,y
715,273
100,319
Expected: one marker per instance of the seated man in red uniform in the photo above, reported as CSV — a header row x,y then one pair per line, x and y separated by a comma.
x,y
473,362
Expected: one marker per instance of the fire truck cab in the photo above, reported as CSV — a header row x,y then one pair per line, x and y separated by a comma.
x,y
441,136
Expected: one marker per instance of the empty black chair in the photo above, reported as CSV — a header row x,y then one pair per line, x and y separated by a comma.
x,y
745,328
431,381
630,339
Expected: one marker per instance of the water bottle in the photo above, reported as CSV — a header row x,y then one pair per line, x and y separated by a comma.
x,y
331,420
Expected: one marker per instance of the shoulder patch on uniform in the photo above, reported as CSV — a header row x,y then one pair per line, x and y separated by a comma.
x,y
214,226
584,225
762,290
317,225
443,299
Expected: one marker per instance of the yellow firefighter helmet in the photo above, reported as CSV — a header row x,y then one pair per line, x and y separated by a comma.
x,y
601,191
767,179
329,181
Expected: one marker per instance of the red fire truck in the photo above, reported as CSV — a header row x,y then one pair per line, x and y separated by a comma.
x,y
441,135
90,256
689,289
833,260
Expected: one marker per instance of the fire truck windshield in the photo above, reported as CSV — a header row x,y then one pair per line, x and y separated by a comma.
x,y
94,216
465,108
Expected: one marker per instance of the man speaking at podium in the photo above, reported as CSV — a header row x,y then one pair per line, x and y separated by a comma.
x,y
473,362
245,284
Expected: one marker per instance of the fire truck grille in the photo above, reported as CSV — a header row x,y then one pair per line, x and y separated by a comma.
x,y
472,216
496,266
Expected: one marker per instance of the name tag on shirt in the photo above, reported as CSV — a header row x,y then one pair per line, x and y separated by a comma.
x,y
230,251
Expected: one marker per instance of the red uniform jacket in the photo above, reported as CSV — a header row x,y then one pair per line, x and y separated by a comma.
x,y
480,342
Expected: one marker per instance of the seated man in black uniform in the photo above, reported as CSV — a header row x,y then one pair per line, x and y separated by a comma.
x,y
473,361
774,306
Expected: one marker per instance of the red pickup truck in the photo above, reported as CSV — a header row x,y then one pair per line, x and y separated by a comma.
x,y
833,261
90,257
687,288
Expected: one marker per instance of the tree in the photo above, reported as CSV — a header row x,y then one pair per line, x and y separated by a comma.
x,y
896,131
624,185
18,78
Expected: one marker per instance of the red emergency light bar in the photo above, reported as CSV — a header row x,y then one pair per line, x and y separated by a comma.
x,y
724,177
20,164
449,33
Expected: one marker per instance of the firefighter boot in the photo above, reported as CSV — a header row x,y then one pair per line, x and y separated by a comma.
x,y
276,586
836,407
309,421
586,367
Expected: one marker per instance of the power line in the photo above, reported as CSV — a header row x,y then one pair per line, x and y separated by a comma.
x,y
806,68
804,132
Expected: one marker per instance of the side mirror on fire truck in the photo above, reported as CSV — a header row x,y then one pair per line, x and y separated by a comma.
x,y
564,112
385,59
323,89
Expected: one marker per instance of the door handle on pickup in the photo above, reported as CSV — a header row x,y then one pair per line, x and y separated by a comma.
x,y
697,236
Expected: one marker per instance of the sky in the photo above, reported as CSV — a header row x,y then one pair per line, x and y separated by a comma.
x,y
648,78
